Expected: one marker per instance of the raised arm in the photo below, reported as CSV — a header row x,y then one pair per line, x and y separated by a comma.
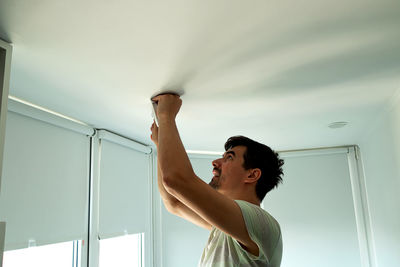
x,y
172,204
180,181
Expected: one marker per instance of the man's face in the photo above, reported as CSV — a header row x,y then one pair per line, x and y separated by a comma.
x,y
228,171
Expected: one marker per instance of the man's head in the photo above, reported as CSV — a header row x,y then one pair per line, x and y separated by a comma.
x,y
250,162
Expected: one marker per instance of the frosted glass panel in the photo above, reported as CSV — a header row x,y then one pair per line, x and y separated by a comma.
x,y
60,255
122,251
45,183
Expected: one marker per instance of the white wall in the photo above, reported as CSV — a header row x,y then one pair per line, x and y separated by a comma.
x,y
314,207
380,149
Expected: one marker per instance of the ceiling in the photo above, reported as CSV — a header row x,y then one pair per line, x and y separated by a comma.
x,y
277,71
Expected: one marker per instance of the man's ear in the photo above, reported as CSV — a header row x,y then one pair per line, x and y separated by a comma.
x,y
253,175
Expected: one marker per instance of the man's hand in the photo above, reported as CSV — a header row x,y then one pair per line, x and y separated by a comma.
x,y
154,133
168,106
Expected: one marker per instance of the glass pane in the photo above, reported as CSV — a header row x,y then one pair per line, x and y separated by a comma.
x,y
122,251
60,255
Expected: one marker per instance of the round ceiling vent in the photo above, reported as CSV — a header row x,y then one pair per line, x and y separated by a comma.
x,y
338,124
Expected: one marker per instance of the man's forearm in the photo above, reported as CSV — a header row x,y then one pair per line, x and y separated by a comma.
x,y
169,200
172,157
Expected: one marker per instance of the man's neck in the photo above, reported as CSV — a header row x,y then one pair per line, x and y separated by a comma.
x,y
253,199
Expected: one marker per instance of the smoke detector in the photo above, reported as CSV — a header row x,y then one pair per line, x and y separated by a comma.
x,y
338,124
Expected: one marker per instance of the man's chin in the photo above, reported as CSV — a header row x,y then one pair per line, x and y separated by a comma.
x,y
214,183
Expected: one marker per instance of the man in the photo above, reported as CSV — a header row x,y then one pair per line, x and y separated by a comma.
x,y
242,234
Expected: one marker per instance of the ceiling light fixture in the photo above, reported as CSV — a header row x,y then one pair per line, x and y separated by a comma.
x,y
338,124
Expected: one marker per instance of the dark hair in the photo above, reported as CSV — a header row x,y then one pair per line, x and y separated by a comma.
x,y
260,156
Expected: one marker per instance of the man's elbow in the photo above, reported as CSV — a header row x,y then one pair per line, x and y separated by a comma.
x,y
171,183
172,206
176,184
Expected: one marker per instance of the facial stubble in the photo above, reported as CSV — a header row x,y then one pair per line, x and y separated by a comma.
x,y
214,183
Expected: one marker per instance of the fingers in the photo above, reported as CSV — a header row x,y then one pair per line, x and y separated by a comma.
x,y
156,98
154,132
160,96
153,126
168,105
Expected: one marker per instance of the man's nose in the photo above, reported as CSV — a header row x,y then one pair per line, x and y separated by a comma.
x,y
216,163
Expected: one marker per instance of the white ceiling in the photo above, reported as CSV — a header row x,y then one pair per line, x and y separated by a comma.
x,y
276,71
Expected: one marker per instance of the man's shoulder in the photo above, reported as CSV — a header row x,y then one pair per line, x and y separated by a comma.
x,y
256,212
245,205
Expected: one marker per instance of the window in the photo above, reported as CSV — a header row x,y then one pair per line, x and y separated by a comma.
x,y
122,251
64,254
